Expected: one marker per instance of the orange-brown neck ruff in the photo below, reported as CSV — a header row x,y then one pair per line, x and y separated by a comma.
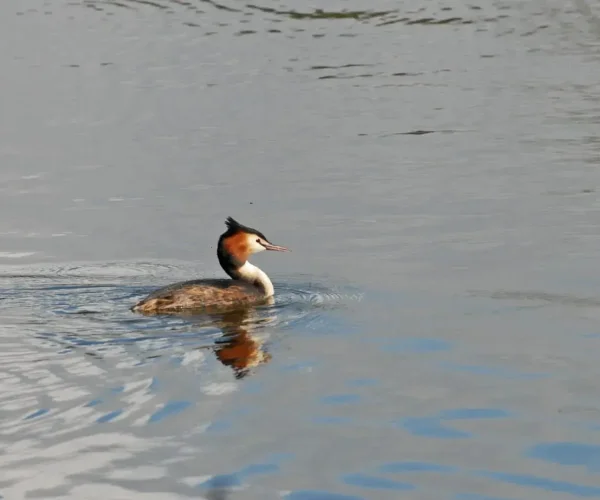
x,y
233,252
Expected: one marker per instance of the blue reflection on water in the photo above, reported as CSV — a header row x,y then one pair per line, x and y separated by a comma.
x,y
544,484
568,453
373,482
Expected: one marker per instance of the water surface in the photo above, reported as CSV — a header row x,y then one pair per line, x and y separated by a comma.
x,y
432,167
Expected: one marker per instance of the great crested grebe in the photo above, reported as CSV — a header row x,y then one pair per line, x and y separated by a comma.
x,y
249,284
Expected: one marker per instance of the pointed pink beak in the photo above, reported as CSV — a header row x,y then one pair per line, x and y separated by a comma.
x,y
275,248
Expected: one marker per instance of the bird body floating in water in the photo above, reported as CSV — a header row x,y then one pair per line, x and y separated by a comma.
x,y
248,285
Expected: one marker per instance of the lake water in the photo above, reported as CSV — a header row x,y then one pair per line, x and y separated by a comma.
x,y
432,165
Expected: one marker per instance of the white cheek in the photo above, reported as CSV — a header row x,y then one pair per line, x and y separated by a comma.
x,y
254,246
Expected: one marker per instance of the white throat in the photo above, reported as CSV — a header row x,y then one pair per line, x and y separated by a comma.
x,y
255,275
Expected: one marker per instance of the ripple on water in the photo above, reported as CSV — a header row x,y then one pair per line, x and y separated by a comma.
x,y
568,453
473,413
417,345
87,306
76,319
319,495
362,382
340,399
374,482
309,307
492,371
239,478
475,496
288,19
404,467
432,426
37,413
331,420
550,485
169,409
109,417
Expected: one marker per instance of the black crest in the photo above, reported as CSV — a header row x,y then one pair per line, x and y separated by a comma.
x,y
234,227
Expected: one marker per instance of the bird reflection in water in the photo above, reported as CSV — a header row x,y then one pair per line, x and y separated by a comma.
x,y
241,347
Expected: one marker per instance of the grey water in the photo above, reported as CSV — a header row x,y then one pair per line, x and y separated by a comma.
x,y
432,165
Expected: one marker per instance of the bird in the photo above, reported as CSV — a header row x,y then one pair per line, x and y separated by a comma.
x,y
248,286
